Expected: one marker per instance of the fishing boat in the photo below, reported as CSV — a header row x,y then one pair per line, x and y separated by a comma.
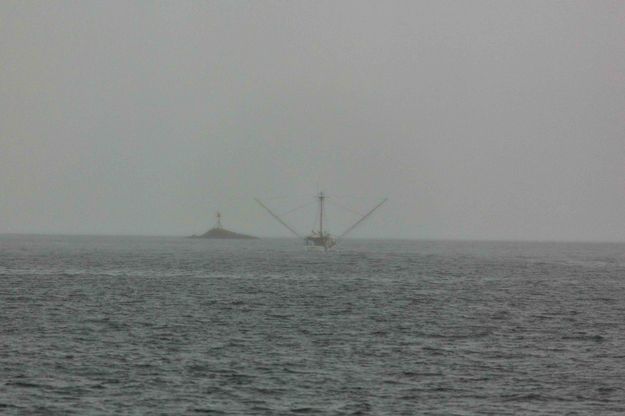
x,y
320,238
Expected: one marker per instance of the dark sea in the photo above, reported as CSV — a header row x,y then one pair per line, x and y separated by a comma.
x,y
175,326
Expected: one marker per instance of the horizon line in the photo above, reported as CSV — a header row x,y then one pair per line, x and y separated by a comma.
x,y
415,239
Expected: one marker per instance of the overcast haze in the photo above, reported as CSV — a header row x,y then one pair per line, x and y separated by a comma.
x,y
478,119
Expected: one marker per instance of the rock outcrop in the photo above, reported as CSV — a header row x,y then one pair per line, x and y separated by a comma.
x,y
221,233
218,232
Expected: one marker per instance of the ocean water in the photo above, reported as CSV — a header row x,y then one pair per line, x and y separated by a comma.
x,y
141,325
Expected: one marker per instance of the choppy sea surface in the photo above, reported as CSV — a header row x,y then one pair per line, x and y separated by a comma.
x,y
147,325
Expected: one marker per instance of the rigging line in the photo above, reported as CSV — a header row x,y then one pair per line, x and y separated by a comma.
x,y
326,223
276,197
360,214
278,218
351,196
286,196
300,207
362,219
315,221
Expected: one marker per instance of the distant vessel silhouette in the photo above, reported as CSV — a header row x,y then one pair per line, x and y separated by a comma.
x,y
219,232
320,238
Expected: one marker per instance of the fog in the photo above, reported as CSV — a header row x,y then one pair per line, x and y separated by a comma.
x,y
477,119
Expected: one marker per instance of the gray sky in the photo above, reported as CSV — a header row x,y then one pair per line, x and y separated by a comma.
x,y
478,119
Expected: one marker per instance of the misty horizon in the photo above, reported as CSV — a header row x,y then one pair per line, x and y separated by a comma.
x,y
483,120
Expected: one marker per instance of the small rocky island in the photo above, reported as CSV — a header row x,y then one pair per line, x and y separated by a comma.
x,y
218,232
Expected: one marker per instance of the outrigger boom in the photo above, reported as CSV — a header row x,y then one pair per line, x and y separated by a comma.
x,y
278,218
320,238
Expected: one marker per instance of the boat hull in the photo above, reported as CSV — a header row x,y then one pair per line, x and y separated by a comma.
x,y
326,241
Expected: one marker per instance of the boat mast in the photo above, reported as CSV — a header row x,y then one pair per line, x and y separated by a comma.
x,y
321,198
